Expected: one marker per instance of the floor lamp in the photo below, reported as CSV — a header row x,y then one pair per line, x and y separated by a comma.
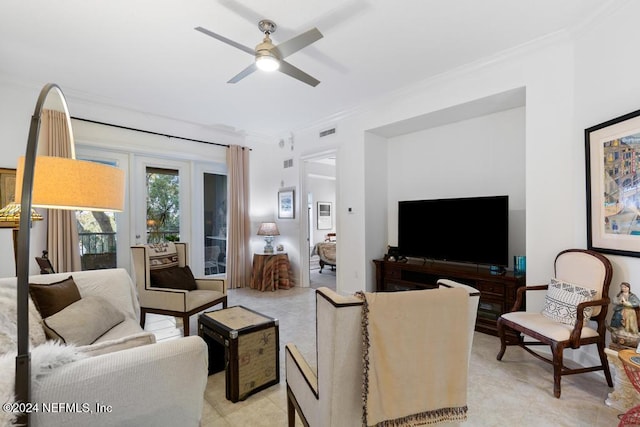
x,y
54,183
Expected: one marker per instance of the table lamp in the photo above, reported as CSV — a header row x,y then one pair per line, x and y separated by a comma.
x,y
268,230
10,215
55,183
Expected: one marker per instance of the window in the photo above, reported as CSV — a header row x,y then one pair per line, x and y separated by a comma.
x,y
215,223
163,205
97,236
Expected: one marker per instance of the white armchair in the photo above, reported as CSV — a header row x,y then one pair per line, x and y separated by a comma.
x,y
173,301
331,395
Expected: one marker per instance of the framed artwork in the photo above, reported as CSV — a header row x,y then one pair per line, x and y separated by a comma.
x,y
324,218
286,203
613,185
7,190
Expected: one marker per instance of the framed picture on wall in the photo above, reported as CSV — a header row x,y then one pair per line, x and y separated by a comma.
x,y
7,190
613,185
324,216
286,203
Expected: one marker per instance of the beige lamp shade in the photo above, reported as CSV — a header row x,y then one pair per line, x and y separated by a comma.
x,y
268,229
62,183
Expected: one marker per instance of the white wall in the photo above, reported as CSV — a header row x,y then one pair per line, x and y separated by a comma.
x,y
483,156
267,177
548,118
606,86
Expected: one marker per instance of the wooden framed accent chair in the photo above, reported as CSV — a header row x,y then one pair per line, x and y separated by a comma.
x,y
332,393
576,304
167,286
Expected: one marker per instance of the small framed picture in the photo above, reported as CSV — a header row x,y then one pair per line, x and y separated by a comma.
x,y
7,191
286,203
324,218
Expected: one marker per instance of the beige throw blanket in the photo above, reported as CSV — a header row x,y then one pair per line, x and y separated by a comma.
x,y
415,357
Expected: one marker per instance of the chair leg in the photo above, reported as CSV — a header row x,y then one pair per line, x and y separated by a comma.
x,y
557,351
185,326
291,412
605,364
503,342
143,317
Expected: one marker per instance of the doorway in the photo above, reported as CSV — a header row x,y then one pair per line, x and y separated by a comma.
x,y
321,236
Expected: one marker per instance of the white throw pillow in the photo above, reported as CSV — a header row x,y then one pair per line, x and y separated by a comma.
x,y
562,299
84,321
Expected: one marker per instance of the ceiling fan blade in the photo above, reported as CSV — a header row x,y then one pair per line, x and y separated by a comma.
x,y
298,42
297,73
226,40
244,73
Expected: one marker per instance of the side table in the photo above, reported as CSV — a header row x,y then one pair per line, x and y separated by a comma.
x,y
250,344
624,396
271,272
631,363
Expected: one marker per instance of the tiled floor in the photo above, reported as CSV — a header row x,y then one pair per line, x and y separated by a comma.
x,y
514,392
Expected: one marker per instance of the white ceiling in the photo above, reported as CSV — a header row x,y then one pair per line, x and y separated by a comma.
x,y
144,55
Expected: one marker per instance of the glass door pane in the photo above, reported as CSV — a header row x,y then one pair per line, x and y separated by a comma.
x,y
215,224
97,236
163,205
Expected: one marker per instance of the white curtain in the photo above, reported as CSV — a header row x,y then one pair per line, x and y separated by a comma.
x,y
62,231
239,230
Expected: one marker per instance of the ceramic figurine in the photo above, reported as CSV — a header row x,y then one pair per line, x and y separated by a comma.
x,y
624,322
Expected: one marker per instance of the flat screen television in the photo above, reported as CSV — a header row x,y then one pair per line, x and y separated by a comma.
x,y
467,230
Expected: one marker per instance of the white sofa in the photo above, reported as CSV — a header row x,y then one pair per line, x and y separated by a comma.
x,y
136,381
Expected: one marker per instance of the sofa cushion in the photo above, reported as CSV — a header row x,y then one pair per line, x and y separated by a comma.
x,y
113,284
51,298
84,321
124,329
103,345
562,299
174,278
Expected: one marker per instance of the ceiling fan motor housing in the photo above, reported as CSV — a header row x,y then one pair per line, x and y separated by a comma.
x,y
267,26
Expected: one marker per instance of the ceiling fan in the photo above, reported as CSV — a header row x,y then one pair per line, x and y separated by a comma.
x,y
269,57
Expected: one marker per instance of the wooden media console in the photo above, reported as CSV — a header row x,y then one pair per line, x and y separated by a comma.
x,y
497,290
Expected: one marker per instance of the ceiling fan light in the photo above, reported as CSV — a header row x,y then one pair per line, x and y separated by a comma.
x,y
267,63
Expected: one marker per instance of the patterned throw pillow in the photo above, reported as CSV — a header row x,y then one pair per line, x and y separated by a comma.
x,y
562,301
162,255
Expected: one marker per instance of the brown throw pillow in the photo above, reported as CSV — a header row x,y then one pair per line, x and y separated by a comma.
x,y
50,298
173,278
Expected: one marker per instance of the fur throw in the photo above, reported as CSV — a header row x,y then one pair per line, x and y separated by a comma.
x,y
8,322
44,359
45,355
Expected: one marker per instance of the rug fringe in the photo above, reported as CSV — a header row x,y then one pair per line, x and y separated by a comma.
x,y
426,418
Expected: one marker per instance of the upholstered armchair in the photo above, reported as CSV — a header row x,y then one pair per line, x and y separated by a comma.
x,y
580,286
331,395
166,287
